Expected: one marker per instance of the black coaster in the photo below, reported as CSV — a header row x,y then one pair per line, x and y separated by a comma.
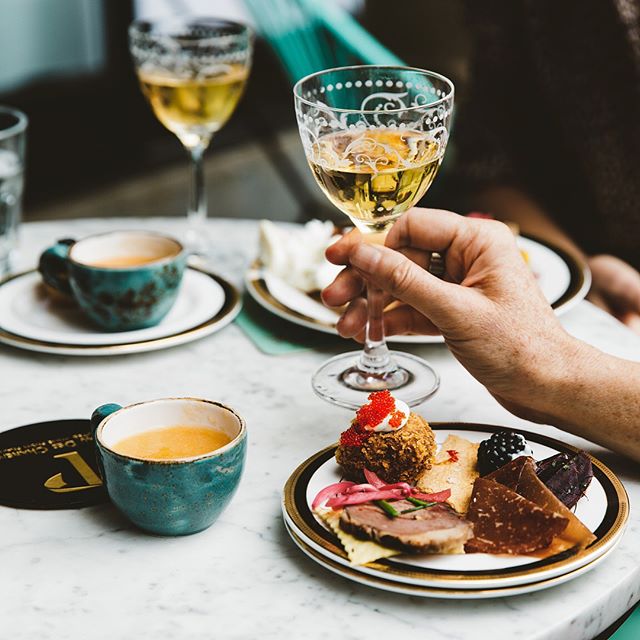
x,y
49,465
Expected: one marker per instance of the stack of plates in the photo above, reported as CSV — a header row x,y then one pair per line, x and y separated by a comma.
x,y
604,510
34,318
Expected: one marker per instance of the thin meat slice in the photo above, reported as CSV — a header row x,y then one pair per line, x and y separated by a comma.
x,y
436,529
505,522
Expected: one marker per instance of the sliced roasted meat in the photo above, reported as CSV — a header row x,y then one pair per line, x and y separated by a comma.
x,y
436,529
505,522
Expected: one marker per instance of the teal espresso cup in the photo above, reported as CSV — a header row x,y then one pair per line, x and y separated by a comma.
x,y
122,281
170,496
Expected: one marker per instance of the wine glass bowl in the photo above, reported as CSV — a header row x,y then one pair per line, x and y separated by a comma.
x,y
374,138
193,72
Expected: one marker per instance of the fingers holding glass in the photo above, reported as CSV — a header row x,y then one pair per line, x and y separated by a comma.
x,y
399,320
347,285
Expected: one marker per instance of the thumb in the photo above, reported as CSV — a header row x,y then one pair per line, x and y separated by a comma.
x,y
405,280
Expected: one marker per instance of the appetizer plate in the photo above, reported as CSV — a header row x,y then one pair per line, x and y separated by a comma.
x,y
433,592
32,318
563,278
604,510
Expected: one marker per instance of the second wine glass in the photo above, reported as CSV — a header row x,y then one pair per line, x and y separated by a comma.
x,y
193,72
374,137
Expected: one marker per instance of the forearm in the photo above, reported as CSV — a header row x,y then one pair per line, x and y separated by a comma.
x,y
512,204
596,396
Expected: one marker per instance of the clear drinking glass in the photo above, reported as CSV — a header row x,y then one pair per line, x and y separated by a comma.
x,y
374,137
13,134
193,72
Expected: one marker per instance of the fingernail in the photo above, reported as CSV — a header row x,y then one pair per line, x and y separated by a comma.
x,y
365,256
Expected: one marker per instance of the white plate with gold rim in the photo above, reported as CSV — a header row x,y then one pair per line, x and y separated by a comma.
x,y
33,318
563,278
604,510
452,593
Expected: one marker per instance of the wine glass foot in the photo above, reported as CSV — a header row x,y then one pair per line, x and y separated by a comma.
x,y
361,380
341,382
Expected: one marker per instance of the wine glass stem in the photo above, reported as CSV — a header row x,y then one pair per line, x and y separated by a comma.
x,y
375,358
197,215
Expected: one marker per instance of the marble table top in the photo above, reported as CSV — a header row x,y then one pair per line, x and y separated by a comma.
x,y
89,574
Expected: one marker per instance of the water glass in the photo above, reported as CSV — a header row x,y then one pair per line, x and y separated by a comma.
x,y
13,128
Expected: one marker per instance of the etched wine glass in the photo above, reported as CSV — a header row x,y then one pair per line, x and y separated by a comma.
x,y
374,137
193,72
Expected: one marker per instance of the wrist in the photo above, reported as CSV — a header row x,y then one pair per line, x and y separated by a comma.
x,y
559,380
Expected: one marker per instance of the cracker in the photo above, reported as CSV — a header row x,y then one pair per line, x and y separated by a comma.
x,y
358,551
520,476
506,522
458,476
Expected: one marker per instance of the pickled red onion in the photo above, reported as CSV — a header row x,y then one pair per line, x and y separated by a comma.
x,y
360,498
342,494
360,487
406,488
440,496
330,491
373,478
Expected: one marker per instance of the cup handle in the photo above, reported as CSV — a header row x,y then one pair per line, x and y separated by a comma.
x,y
101,413
97,417
53,265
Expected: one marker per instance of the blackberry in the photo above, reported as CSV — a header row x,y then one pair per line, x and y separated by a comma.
x,y
500,448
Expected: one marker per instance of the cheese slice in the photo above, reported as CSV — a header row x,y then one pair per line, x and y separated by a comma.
x,y
358,551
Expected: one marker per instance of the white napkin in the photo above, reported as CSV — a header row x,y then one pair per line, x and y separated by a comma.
x,y
297,300
295,253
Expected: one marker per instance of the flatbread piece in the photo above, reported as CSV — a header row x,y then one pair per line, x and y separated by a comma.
x,y
457,475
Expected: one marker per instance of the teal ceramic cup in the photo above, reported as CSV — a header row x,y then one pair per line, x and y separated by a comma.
x,y
122,281
170,497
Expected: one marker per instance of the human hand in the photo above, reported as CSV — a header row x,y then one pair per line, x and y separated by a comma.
x,y
616,288
488,307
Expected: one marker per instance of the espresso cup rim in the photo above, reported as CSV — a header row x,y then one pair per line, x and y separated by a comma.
x,y
174,461
140,232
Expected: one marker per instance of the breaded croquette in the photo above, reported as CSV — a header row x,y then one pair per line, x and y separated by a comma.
x,y
402,455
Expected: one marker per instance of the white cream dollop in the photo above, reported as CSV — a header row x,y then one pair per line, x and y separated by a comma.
x,y
400,406
296,253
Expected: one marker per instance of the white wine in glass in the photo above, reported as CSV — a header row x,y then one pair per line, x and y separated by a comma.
x,y
374,176
193,72
194,108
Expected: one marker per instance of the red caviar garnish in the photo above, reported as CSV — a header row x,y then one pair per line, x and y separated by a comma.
x,y
354,436
397,418
380,405
453,455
